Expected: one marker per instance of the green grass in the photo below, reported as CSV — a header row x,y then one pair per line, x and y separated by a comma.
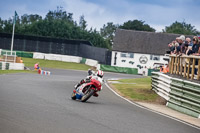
x,y
16,71
139,91
29,62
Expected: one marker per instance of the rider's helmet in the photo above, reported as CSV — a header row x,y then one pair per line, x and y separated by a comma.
x,y
100,73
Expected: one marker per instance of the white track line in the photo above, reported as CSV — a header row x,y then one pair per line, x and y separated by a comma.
x,y
194,126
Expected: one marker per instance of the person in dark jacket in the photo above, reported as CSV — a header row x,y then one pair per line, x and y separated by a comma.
x,y
195,47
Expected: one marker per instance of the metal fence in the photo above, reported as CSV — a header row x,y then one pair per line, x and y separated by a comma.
x,y
56,46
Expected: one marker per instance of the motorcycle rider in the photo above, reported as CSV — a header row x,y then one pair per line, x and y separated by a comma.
x,y
98,76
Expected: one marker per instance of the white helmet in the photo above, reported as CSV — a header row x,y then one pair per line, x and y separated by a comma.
x,y
100,73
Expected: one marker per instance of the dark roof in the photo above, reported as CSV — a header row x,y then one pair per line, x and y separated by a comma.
x,y
142,41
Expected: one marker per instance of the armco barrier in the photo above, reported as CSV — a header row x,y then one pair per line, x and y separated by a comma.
x,y
16,66
161,84
37,55
56,57
11,66
181,95
91,62
64,58
119,69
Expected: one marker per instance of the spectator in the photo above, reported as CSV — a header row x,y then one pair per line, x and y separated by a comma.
x,y
181,41
186,47
188,41
36,66
195,47
173,47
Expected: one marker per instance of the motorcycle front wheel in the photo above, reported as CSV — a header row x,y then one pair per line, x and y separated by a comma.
x,y
73,96
87,95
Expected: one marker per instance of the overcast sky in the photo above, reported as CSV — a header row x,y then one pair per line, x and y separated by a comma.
x,y
156,13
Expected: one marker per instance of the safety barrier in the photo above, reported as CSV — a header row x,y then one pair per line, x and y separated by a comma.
x,y
91,62
119,69
37,55
181,95
57,57
75,59
65,58
11,66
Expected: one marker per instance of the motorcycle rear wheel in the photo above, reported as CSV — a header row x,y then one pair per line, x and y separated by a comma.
x,y
87,95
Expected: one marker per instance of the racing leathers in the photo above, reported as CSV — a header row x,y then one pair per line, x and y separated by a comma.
x,y
87,80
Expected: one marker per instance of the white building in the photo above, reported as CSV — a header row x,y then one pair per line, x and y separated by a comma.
x,y
136,60
139,49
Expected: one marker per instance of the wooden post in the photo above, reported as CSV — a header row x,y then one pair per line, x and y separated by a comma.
x,y
178,65
170,61
185,67
193,68
175,64
181,66
188,72
172,65
198,75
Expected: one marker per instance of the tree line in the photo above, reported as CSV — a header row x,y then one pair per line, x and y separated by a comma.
x,y
60,24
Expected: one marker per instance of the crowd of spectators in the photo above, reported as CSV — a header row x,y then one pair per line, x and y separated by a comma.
x,y
185,46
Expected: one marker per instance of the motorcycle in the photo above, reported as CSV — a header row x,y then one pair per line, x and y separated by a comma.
x,y
86,90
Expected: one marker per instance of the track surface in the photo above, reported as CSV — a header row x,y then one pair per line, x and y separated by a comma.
x,y
32,103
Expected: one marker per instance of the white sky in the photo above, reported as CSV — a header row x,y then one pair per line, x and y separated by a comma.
x,y
156,13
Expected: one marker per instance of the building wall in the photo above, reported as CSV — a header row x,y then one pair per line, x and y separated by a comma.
x,y
136,60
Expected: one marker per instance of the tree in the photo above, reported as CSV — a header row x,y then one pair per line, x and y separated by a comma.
x,y
82,23
1,25
137,25
7,25
56,24
181,28
108,32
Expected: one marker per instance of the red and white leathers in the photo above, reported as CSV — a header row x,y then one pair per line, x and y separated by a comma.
x,y
98,76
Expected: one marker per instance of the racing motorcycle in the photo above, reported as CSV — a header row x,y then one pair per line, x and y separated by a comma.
x,y
86,90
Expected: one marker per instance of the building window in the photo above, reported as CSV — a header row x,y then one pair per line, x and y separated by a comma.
x,y
127,55
155,57
123,54
123,60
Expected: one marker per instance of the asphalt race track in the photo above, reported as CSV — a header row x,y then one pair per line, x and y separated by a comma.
x,y
33,103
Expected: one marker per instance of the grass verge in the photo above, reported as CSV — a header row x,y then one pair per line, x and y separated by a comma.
x,y
16,71
137,90
29,62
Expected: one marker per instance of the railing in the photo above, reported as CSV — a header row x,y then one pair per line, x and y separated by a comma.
x,y
7,56
186,66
